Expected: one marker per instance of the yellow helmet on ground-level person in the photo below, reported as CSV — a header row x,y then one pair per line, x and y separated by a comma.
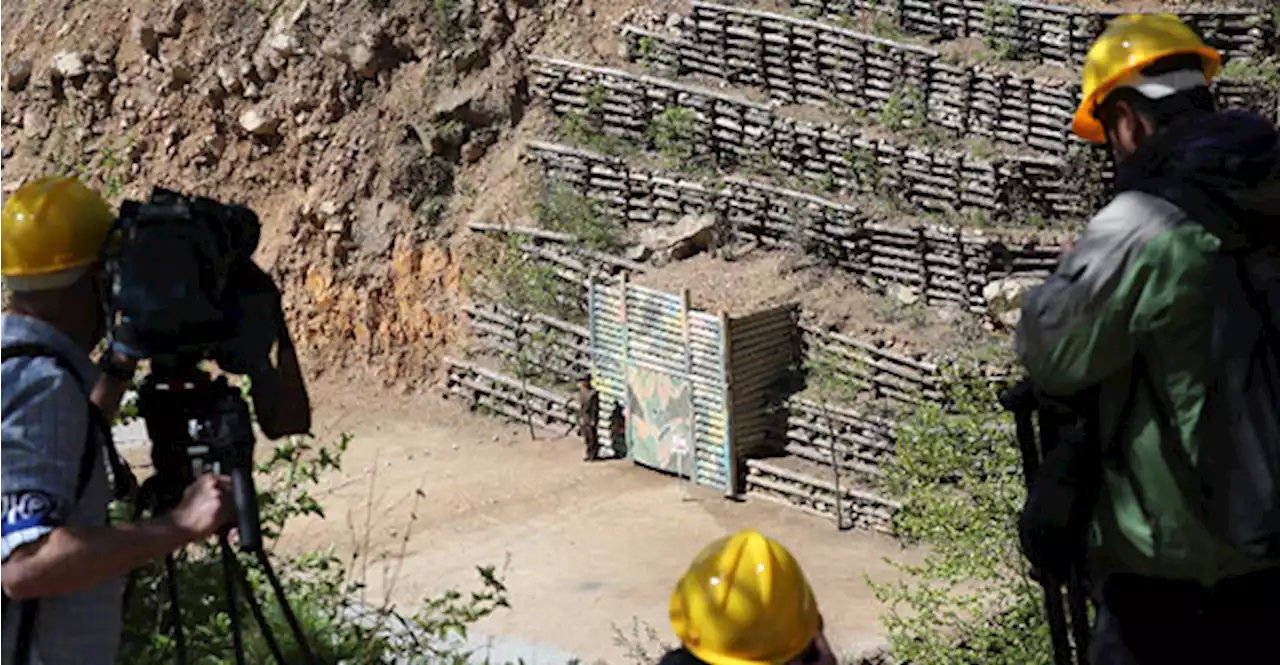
x,y
52,228
1130,44
744,601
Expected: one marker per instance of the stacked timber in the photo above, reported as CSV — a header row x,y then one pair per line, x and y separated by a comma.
x,y
881,373
839,437
941,263
763,348
508,396
729,129
1047,33
542,344
854,508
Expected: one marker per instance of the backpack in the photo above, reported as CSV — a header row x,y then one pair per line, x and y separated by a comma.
x,y
1234,484
98,435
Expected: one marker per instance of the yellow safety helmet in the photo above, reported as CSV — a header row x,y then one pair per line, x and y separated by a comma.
x,y
744,601
1130,44
52,228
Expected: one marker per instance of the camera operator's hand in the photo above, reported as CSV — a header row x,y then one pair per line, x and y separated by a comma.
x,y
206,507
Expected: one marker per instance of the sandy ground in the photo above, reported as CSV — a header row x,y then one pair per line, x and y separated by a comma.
x,y
587,546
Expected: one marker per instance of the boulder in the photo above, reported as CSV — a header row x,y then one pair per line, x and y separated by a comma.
x,y
1004,297
68,65
259,123
690,235
902,293
17,74
363,60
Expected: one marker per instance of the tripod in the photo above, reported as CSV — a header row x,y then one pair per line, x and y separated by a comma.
x,y
198,425
1022,402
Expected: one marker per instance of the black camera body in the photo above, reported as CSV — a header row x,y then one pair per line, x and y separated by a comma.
x,y
174,266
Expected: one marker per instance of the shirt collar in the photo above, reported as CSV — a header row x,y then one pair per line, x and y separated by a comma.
x,y
21,329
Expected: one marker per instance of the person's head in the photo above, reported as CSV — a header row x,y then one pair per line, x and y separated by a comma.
x,y
53,229
1145,73
745,601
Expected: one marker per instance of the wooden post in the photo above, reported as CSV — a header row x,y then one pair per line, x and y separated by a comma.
x,y
688,376
623,288
726,370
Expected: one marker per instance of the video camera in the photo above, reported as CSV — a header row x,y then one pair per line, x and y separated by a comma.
x,y
181,288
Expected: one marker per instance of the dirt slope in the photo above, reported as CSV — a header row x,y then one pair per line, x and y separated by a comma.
x,y
364,133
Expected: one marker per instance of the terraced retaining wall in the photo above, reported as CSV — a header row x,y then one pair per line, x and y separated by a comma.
x,y
799,61
730,130
1046,33
944,264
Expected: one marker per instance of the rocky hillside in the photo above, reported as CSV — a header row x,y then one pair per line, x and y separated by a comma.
x,y
363,132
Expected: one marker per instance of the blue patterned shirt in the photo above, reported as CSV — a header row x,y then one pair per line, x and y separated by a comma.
x,y
44,433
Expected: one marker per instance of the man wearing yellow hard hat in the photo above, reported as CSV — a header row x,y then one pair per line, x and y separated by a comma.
x,y
1165,320
61,560
745,601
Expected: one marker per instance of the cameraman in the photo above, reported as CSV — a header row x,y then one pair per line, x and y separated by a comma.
x,y
1136,310
62,560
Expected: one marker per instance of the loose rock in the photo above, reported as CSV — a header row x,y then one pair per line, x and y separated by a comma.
x,y
230,82
283,44
363,60
18,74
258,123
179,76
145,34
1004,298
68,64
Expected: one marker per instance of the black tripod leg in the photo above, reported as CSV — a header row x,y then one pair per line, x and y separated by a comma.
x,y
1078,605
1055,609
175,612
289,616
229,573
256,608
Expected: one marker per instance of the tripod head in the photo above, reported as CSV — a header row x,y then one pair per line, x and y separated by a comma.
x,y
198,425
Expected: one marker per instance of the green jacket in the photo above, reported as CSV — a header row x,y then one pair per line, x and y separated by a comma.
x,y
1136,281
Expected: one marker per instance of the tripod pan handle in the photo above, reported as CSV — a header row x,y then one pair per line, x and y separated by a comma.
x,y
246,498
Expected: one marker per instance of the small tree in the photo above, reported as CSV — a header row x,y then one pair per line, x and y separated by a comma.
x,y
957,471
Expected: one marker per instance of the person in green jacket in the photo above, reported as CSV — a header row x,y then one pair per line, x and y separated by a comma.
x,y
1133,295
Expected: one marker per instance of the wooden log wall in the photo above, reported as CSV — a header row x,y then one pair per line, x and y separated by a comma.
x,y
879,372
731,130
1051,34
764,347
862,444
544,345
803,61
818,496
510,397
944,264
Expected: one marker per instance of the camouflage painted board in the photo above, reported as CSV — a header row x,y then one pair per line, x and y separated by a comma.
x,y
660,421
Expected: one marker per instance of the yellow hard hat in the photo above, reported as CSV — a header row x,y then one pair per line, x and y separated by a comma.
x,y
52,227
1130,44
744,601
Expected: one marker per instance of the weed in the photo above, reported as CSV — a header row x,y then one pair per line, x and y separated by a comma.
x,y
1001,19
597,95
648,46
674,134
893,115
1264,73
446,16
642,645
561,209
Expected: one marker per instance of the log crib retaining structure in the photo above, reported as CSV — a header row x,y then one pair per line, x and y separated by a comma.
x,y
842,446
730,129
1046,33
802,61
943,263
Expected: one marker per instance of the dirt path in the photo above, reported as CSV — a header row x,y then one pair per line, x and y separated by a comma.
x,y
588,546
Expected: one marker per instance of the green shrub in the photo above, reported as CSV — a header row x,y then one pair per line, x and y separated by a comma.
x,y
674,133
957,472
560,208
